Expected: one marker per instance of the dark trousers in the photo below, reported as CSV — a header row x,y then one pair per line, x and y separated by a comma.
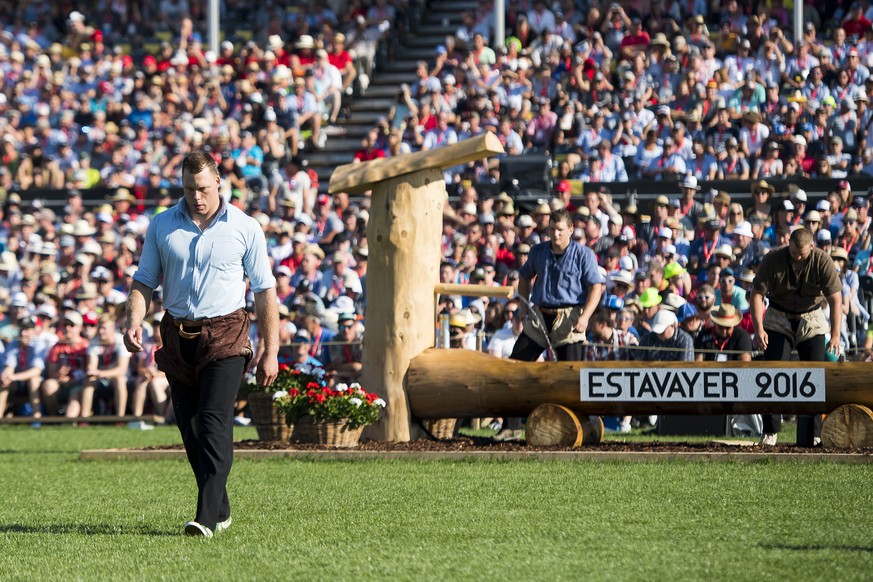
x,y
812,350
204,414
527,350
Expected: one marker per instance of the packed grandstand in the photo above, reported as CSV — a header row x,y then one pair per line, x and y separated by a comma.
x,y
687,138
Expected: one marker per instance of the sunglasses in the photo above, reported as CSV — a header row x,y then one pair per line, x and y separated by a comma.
x,y
707,296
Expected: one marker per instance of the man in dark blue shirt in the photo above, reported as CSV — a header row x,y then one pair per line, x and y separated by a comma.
x,y
565,286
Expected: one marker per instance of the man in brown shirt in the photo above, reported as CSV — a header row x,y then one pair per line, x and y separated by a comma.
x,y
797,279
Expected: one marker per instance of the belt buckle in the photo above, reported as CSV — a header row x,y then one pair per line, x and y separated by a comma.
x,y
185,334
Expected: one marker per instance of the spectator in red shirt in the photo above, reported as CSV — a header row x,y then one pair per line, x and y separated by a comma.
x,y
856,24
636,40
369,151
340,58
65,368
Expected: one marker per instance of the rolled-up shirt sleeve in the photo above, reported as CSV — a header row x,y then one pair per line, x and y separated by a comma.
x,y
149,269
256,259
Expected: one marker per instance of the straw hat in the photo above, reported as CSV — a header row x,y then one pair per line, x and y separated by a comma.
x,y
726,315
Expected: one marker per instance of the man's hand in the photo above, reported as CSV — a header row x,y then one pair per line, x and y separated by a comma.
x,y
761,340
834,346
133,339
581,324
268,370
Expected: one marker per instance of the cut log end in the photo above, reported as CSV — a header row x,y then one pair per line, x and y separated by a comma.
x,y
848,427
556,425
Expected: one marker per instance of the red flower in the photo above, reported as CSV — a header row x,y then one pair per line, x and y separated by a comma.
x,y
293,392
320,398
313,386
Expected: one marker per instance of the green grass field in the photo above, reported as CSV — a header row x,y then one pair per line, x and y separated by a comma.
x,y
64,519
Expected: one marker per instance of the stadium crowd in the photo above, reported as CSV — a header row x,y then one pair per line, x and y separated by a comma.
x,y
676,91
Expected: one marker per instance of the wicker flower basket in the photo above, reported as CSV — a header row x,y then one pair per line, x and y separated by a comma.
x,y
267,418
442,428
330,433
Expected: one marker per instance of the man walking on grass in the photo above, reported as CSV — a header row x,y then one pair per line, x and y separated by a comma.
x,y
202,250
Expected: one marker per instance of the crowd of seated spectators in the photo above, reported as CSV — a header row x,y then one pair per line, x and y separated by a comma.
x,y
678,92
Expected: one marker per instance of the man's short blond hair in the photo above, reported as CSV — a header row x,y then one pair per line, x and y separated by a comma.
x,y
197,161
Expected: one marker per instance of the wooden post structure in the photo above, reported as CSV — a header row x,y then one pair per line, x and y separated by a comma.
x,y
403,235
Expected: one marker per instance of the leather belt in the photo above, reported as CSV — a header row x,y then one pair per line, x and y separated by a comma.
x,y
794,315
189,323
555,309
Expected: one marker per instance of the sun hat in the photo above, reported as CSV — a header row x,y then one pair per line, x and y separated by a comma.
x,y
622,276
726,315
673,302
672,270
650,297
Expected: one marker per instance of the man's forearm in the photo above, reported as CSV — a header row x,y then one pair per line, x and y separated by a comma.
x,y
835,302
757,311
268,321
138,304
595,292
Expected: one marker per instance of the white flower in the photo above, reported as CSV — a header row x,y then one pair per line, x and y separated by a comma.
x,y
356,401
379,402
341,387
280,394
355,386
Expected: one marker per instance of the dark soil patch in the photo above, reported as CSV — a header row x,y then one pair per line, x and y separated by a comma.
x,y
483,444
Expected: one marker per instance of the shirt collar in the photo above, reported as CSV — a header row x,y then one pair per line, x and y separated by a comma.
x,y
182,209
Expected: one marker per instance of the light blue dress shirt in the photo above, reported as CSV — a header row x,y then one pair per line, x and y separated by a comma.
x,y
203,272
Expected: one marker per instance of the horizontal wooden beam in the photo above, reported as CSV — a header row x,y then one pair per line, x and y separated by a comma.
x,y
358,178
89,419
502,291
466,384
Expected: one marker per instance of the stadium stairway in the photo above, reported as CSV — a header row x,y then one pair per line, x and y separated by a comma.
x,y
439,18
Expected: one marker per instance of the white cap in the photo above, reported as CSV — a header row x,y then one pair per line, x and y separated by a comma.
x,y
625,263
665,232
669,249
823,205
744,229
663,319
689,182
800,195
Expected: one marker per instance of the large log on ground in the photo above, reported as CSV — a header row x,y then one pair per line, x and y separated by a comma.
x,y
468,384
848,427
556,425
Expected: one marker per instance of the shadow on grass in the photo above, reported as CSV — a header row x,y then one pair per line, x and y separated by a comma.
x,y
88,529
816,547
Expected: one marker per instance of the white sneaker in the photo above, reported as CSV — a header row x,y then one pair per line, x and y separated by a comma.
x,y
242,420
768,439
139,425
625,427
653,419
223,525
194,529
